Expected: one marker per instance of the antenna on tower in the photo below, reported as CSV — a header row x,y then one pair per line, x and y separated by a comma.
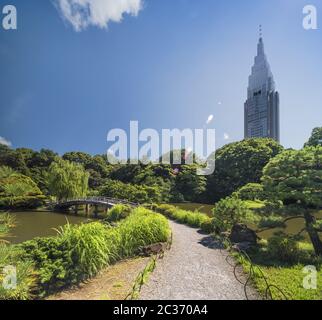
x,y
260,31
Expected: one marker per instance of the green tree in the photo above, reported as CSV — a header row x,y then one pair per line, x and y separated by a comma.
x,y
315,139
96,166
18,191
189,184
134,193
228,212
251,191
78,157
295,177
67,180
239,163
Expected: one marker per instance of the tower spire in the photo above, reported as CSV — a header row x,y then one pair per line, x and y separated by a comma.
x,y
260,31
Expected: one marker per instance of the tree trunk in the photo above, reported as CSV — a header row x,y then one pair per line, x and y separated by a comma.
x,y
314,235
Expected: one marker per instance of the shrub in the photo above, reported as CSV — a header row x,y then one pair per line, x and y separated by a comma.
x,y
18,191
53,263
228,212
284,248
18,185
239,163
251,191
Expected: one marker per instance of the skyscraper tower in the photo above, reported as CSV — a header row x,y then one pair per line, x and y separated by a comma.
x,y
262,106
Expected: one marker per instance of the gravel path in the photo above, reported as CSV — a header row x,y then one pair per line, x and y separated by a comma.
x,y
193,271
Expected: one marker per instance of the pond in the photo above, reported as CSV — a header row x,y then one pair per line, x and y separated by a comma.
x,y
29,225
293,227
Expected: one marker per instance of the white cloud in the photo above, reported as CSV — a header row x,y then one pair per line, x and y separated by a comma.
x,y
210,118
83,13
5,142
226,136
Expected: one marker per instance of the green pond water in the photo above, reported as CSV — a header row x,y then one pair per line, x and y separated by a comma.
x,y
29,225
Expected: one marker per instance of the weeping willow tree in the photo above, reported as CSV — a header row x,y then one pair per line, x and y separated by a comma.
x,y
67,180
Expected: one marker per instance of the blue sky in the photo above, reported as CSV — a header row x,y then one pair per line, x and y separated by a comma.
x,y
171,66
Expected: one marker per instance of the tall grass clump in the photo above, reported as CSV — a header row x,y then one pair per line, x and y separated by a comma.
x,y
88,252
193,219
142,228
118,212
79,252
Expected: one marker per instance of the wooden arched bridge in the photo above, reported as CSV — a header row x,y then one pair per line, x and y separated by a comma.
x,y
96,202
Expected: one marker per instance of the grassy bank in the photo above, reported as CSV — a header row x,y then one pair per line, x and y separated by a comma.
x,y
193,219
80,252
285,279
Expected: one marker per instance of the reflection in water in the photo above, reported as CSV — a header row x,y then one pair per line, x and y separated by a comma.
x,y
38,224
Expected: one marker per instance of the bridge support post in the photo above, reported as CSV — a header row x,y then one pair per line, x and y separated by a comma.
x,y
87,209
96,212
76,209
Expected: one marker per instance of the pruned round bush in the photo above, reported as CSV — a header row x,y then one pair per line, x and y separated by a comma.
x,y
18,191
284,248
251,191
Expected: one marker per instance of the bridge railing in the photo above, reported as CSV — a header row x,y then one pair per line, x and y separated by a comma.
x,y
104,200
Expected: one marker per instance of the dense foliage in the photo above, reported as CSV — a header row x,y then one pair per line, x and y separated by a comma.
x,y
315,139
240,163
133,193
79,252
28,162
228,212
18,191
169,182
295,177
